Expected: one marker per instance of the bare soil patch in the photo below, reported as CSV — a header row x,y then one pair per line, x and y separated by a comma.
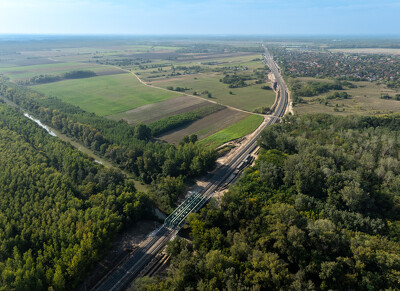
x,y
123,245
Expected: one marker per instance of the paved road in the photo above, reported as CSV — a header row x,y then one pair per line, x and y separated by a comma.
x,y
123,275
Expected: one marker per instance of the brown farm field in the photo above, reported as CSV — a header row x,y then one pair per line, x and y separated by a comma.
x,y
206,126
365,100
155,111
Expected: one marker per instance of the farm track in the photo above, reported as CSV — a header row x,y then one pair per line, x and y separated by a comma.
x,y
180,93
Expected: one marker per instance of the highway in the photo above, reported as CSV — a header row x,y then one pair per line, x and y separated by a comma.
x,y
120,277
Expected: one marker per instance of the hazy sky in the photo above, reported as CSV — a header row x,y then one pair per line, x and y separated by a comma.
x,y
269,17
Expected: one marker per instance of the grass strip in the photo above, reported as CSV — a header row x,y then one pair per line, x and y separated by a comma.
x,y
235,131
174,121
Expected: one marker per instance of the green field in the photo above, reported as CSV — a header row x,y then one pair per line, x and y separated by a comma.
x,y
235,131
27,72
213,67
121,96
105,95
247,98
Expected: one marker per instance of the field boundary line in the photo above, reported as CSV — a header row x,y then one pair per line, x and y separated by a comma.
x,y
190,95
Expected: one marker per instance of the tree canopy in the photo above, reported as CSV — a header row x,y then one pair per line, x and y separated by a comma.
x,y
58,209
130,147
320,210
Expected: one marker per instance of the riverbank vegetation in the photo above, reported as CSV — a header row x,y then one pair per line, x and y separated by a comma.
x,y
59,209
130,148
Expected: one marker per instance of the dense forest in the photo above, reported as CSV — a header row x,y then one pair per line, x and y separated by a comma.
x,y
320,210
131,148
58,209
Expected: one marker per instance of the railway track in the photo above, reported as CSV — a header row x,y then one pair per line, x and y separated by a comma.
x,y
120,278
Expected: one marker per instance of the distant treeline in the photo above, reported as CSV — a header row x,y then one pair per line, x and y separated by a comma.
x,y
217,48
42,79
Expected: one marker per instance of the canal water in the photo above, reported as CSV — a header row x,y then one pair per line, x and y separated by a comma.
x,y
40,124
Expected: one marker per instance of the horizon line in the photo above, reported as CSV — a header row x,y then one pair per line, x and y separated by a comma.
x,y
199,35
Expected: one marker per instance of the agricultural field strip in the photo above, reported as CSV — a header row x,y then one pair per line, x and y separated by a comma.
x,y
248,62
214,123
46,67
198,97
241,128
207,76
219,62
181,59
160,88
155,111
175,121
25,72
66,66
105,95
231,62
248,98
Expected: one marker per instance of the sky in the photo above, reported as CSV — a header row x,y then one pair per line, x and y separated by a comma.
x,y
201,17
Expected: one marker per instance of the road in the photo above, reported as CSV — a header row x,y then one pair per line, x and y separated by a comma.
x,y
122,276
